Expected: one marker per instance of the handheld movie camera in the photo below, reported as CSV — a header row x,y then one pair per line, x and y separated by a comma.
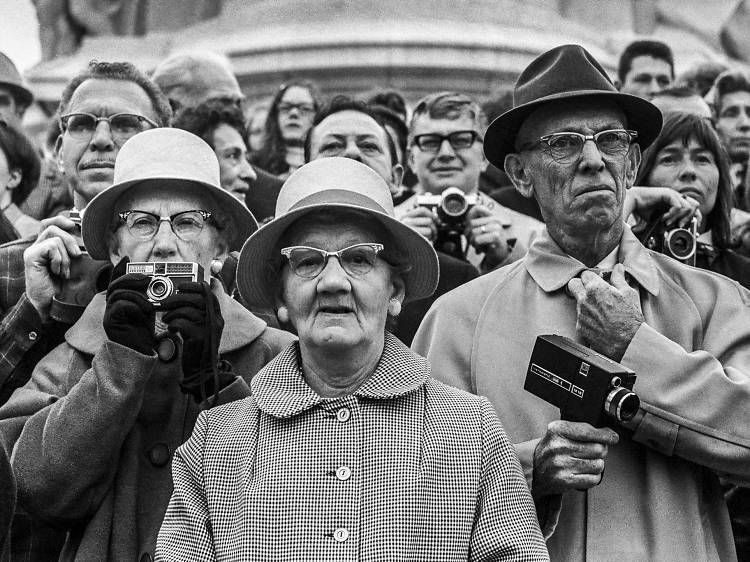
x,y
586,386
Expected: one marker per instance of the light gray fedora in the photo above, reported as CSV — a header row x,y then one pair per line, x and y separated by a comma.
x,y
162,156
326,184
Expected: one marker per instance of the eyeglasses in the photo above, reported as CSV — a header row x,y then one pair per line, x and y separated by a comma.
x,y
186,225
567,146
459,140
308,262
301,107
81,126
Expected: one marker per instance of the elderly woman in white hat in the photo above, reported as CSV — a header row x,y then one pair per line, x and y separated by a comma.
x,y
347,448
97,458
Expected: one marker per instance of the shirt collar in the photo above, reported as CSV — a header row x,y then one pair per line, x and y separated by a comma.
x,y
241,326
551,268
280,389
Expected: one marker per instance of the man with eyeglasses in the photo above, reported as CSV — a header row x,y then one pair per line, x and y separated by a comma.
x,y
105,410
100,109
445,151
574,143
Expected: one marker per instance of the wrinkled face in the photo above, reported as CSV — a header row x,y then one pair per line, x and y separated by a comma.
x,y
336,310
296,112
690,169
354,135
586,193
9,110
448,167
733,121
236,174
165,245
646,77
89,163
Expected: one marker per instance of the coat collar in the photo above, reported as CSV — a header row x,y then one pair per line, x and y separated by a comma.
x,y
241,326
551,268
280,389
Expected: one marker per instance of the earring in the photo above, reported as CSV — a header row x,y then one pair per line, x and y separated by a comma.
x,y
216,265
394,307
283,314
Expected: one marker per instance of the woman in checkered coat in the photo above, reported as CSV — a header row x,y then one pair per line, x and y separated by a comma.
x,y
347,448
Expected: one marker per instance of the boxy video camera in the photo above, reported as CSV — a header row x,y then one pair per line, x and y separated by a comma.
x,y
166,277
678,243
450,209
586,386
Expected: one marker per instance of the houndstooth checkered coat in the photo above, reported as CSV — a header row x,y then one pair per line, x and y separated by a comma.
x,y
405,469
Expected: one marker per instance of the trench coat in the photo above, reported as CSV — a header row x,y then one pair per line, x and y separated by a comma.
x,y
660,498
404,468
103,423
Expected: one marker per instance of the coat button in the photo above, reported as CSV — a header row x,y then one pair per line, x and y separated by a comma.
x,y
343,473
340,535
343,415
159,454
146,557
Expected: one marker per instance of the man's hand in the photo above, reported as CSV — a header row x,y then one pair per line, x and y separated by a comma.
x,y
608,315
643,201
423,221
570,456
47,262
487,235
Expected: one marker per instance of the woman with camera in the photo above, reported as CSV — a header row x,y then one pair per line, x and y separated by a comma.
x,y
688,157
109,406
347,448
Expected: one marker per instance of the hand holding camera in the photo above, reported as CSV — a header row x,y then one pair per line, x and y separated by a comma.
x,y
194,313
570,456
129,316
47,261
609,315
485,233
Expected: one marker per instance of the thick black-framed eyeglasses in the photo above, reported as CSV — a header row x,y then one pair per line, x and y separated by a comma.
x,y
309,262
81,126
186,225
568,145
459,140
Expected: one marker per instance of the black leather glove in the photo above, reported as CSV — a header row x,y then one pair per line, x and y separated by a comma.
x,y
194,312
129,316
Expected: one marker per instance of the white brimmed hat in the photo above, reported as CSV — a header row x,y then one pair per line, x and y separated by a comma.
x,y
325,184
162,156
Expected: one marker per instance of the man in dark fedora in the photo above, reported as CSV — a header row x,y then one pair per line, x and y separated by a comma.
x,y
574,143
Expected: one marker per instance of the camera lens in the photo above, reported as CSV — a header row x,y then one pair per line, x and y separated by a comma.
x,y
680,243
622,404
159,288
454,205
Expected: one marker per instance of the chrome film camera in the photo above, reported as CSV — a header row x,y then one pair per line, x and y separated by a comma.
x,y
450,209
586,386
678,243
166,277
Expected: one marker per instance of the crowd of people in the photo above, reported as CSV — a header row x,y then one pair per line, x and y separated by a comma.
x,y
324,352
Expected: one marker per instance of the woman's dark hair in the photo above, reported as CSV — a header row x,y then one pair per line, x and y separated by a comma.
x,y
272,156
684,127
22,156
205,118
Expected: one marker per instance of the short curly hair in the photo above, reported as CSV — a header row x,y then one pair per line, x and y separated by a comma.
x,y
119,71
203,119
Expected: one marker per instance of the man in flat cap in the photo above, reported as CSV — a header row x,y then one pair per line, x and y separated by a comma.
x,y
574,143
15,97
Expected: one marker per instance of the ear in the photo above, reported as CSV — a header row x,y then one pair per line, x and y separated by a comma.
x,y
399,287
516,169
58,154
411,159
397,175
634,161
15,178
